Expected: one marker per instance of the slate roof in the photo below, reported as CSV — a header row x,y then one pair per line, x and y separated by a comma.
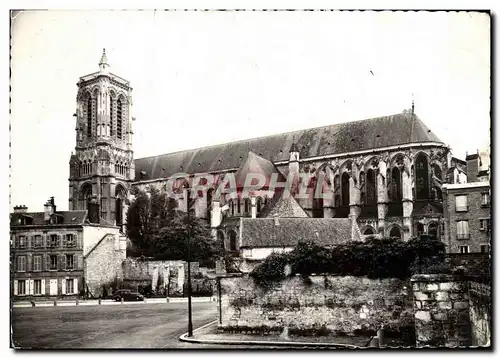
x,y
393,130
287,232
74,217
282,207
257,165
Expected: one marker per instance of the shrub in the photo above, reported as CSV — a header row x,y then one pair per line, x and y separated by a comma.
x,y
373,258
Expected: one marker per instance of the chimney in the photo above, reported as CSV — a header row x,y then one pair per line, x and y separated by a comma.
x,y
20,209
254,207
472,167
49,208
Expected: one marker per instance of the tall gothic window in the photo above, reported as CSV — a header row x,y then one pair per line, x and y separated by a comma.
x,y
345,189
111,119
119,119
371,187
396,187
422,177
89,117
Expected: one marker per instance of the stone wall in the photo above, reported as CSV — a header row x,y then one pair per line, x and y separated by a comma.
x,y
339,305
103,264
480,313
441,311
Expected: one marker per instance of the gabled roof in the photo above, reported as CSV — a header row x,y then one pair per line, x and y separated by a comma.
x,y
282,206
255,164
73,217
393,130
287,232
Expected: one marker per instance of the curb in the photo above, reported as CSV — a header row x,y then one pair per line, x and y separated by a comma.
x,y
64,303
185,338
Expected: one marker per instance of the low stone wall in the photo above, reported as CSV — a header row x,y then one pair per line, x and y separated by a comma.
x,y
327,304
441,311
480,313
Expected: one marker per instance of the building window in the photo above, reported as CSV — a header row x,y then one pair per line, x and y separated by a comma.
x,y
259,204
70,262
247,206
111,116
463,249
485,199
37,263
483,224
485,249
21,263
70,240
53,262
463,230
89,117
22,242
21,287
232,241
69,286
119,119
53,240
38,241
37,288
461,203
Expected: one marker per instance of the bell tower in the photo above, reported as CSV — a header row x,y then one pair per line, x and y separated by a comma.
x,y
102,166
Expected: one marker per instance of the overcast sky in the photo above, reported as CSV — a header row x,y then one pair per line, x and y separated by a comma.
x,y
203,78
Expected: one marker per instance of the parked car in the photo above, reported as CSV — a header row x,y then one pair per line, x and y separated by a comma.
x,y
128,295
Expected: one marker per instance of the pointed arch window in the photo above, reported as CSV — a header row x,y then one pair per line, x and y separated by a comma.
x,y
111,116
345,189
396,187
119,119
371,187
89,116
422,177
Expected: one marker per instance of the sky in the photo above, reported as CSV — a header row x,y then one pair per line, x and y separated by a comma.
x,y
201,78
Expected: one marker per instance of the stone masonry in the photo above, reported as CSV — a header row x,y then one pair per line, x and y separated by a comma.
x,y
441,311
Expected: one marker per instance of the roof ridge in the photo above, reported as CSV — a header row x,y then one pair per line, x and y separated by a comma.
x,y
270,135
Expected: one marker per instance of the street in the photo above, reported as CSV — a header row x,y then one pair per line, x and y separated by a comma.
x,y
121,326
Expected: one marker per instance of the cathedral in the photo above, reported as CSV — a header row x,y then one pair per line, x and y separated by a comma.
x,y
383,173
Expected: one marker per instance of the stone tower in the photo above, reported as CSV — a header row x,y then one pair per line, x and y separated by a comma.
x,y
102,166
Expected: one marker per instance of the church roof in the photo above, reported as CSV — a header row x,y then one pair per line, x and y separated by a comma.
x,y
393,130
256,165
287,232
281,206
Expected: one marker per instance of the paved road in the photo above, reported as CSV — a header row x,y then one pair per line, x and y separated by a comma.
x,y
121,326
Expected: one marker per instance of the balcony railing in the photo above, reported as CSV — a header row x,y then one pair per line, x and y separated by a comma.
x,y
463,236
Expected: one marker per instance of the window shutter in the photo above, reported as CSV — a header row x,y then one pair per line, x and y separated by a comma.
x,y
15,287
43,287
75,286
465,227
29,263
32,286
63,286
63,262
78,262
47,262
59,240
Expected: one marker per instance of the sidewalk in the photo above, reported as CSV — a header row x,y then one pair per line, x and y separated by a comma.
x,y
208,334
64,303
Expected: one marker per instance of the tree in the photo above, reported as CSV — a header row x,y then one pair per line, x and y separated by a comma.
x,y
147,214
157,229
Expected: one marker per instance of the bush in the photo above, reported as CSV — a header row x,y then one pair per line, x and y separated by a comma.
x,y
373,258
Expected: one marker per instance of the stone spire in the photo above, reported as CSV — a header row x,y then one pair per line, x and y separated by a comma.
x,y
103,64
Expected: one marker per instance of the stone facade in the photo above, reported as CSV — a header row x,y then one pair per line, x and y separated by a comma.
x,y
441,305
102,167
339,305
467,208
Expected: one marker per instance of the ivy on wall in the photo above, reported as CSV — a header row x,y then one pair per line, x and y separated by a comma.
x,y
373,258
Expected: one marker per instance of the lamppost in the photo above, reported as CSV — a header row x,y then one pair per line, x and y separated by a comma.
x,y
190,314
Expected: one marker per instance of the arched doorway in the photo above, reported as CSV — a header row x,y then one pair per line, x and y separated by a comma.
x,y
85,196
395,232
369,231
